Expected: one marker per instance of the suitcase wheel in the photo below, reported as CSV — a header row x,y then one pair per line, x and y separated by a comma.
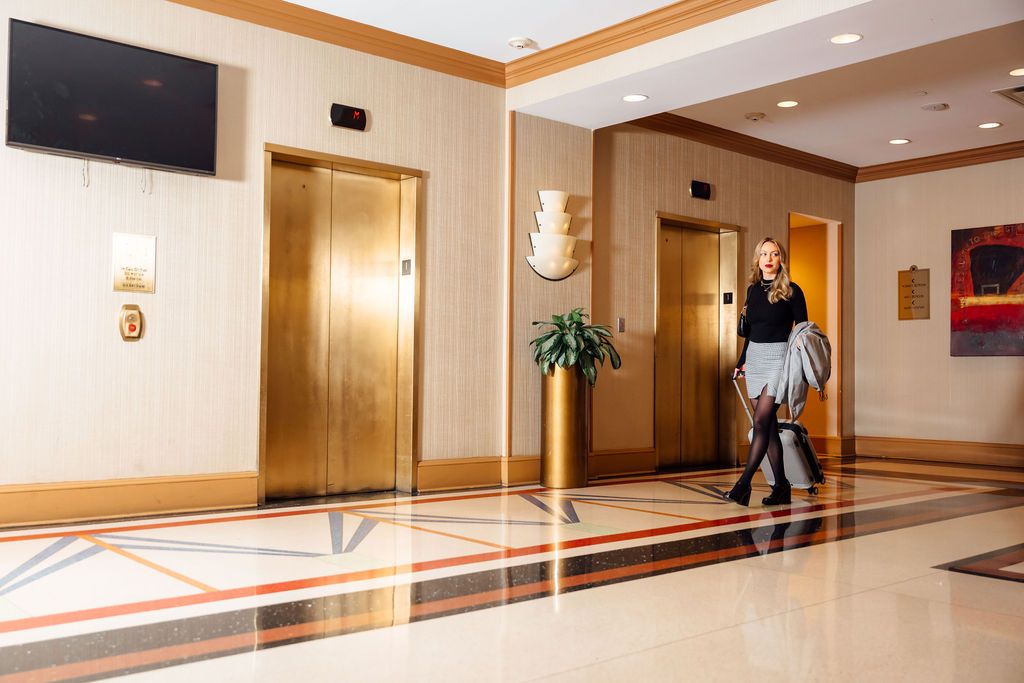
x,y
813,490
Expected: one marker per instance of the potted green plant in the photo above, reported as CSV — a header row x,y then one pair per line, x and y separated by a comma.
x,y
568,355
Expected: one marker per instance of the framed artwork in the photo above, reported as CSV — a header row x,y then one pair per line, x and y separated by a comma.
x,y
986,312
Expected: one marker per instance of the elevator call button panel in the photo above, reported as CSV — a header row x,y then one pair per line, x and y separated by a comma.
x,y
130,322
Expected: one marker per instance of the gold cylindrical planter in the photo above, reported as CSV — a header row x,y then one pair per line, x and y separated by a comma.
x,y
563,427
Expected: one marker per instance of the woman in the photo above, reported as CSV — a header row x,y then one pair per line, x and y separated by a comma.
x,y
774,305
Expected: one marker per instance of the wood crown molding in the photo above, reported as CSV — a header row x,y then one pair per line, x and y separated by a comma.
x,y
679,126
673,124
77,501
940,162
310,23
660,23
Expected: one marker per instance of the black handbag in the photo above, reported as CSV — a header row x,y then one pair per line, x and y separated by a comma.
x,y
743,326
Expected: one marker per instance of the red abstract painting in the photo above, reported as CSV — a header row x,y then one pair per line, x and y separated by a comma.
x,y
986,312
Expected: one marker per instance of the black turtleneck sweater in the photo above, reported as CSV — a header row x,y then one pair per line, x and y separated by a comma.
x,y
772,322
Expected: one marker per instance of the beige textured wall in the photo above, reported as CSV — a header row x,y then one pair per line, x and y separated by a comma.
x,y
77,403
639,172
548,156
907,383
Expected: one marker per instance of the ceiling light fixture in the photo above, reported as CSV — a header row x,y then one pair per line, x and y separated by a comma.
x,y
1017,72
786,104
845,38
634,98
899,141
990,124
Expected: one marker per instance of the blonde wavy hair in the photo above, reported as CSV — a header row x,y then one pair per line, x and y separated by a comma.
x,y
781,288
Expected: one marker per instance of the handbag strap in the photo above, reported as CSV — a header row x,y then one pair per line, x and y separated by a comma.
x,y
746,299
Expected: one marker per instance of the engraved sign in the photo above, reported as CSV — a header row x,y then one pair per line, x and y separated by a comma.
x,y
134,263
914,294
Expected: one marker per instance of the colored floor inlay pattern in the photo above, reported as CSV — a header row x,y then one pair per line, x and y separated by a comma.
x,y
1005,563
100,600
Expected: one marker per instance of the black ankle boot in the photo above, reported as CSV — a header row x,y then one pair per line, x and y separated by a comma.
x,y
781,494
738,494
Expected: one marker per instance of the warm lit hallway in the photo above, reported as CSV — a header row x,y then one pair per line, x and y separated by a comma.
x,y
270,277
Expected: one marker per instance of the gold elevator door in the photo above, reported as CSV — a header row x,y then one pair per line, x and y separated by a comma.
x,y
333,332
687,348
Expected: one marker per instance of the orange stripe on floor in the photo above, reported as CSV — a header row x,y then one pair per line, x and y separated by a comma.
x,y
430,531
427,565
152,565
646,512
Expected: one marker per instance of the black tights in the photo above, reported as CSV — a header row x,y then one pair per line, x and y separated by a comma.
x,y
765,441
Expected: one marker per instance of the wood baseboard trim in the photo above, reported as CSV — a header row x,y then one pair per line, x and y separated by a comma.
x,y
615,463
967,452
467,473
458,473
523,469
79,501
834,445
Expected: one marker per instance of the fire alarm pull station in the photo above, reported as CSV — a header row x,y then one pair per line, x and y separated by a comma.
x,y
131,322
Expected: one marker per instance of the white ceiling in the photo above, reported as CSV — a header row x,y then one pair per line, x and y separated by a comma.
x,y
483,27
849,114
853,98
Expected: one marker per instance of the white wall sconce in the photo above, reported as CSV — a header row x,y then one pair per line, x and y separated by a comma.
x,y
553,246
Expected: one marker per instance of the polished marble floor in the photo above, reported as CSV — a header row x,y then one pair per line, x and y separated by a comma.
x,y
894,571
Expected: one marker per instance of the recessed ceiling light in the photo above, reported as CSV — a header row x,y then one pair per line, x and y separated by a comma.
x,y
786,104
990,124
87,117
153,83
899,141
845,38
634,98
1017,72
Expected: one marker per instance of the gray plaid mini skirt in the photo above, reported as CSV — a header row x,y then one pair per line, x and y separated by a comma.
x,y
764,364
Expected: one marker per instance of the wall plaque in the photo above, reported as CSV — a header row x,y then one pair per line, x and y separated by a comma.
x,y
134,263
914,294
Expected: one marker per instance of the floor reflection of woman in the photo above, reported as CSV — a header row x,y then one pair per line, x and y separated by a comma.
x,y
774,305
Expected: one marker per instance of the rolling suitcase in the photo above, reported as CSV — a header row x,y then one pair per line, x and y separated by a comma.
x,y
801,462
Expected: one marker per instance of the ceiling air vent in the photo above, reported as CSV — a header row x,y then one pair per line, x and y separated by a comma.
x,y
1015,94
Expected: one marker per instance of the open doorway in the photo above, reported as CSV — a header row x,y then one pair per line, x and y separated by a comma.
x,y
815,263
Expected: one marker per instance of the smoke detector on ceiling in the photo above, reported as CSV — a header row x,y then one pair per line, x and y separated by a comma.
x,y
936,106
755,116
521,43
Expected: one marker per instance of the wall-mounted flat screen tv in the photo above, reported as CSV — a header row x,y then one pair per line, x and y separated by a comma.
x,y
87,97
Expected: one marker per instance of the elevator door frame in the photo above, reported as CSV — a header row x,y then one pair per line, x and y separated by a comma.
x,y
411,182
728,350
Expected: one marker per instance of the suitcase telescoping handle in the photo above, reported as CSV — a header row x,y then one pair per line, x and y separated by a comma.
x,y
743,401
